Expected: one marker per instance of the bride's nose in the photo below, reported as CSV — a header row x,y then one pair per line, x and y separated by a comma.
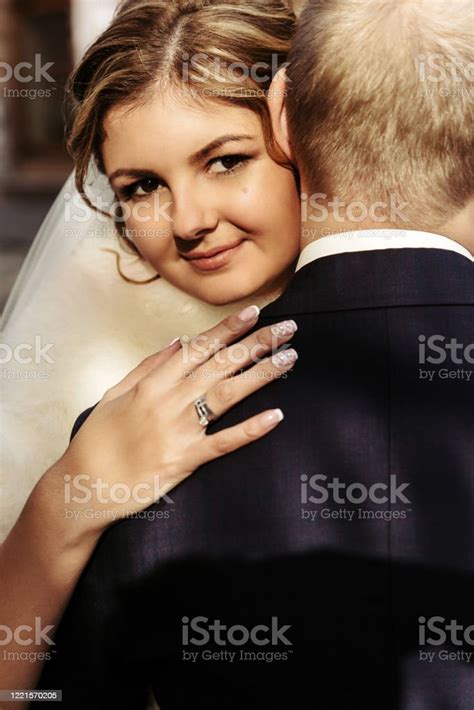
x,y
193,215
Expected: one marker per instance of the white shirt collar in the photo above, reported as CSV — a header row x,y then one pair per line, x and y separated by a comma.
x,y
375,239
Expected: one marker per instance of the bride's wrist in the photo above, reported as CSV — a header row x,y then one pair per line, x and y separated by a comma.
x,y
45,548
49,503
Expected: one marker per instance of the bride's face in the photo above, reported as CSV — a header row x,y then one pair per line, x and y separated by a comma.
x,y
203,201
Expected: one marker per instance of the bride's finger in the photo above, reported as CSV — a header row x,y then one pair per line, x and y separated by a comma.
x,y
227,440
206,344
245,352
226,393
142,370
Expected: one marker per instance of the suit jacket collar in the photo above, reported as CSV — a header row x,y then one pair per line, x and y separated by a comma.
x,y
378,279
375,240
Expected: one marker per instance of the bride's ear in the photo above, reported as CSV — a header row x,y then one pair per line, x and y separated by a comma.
x,y
276,105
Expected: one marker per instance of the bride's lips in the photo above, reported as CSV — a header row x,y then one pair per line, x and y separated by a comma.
x,y
215,258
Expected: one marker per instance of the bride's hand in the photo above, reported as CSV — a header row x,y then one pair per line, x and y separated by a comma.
x,y
144,437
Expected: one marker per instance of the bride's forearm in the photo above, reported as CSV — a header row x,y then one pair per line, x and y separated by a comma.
x,y
40,563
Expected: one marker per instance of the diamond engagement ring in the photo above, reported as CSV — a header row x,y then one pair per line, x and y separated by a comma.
x,y
205,414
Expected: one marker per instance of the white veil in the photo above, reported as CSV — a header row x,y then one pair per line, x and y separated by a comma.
x,y
71,328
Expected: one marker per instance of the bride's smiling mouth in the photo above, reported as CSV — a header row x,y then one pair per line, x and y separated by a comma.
x,y
214,258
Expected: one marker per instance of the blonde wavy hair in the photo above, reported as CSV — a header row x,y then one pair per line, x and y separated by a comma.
x,y
153,44
381,100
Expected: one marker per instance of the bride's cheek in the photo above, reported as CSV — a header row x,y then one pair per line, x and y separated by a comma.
x,y
155,251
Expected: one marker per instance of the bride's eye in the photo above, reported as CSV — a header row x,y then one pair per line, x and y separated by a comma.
x,y
226,164
145,186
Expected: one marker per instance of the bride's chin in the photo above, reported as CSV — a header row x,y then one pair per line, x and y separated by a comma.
x,y
224,299
213,296
228,288
236,286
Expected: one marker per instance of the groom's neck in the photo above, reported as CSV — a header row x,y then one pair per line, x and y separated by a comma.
x,y
321,219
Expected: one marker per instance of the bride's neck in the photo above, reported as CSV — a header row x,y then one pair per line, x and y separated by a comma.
x,y
270,292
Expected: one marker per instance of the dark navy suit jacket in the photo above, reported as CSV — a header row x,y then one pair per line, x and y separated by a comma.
x,y
348,529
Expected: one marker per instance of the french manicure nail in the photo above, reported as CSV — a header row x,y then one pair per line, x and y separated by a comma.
x,y
172,343
273,417
285,357
286,327
249,314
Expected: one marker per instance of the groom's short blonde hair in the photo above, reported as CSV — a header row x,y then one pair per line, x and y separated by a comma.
x,y
380,100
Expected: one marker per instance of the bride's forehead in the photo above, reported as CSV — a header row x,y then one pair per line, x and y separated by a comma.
x,y
174,120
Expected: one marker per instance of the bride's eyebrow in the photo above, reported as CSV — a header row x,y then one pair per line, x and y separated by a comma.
x,y
208,149
136,173
194,159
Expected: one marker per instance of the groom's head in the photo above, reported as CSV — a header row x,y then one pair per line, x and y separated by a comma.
x,y
380,101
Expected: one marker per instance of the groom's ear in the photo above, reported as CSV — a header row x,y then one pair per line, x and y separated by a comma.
x,y
278,114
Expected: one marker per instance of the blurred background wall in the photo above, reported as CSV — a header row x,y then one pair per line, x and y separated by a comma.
x,y
40,41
